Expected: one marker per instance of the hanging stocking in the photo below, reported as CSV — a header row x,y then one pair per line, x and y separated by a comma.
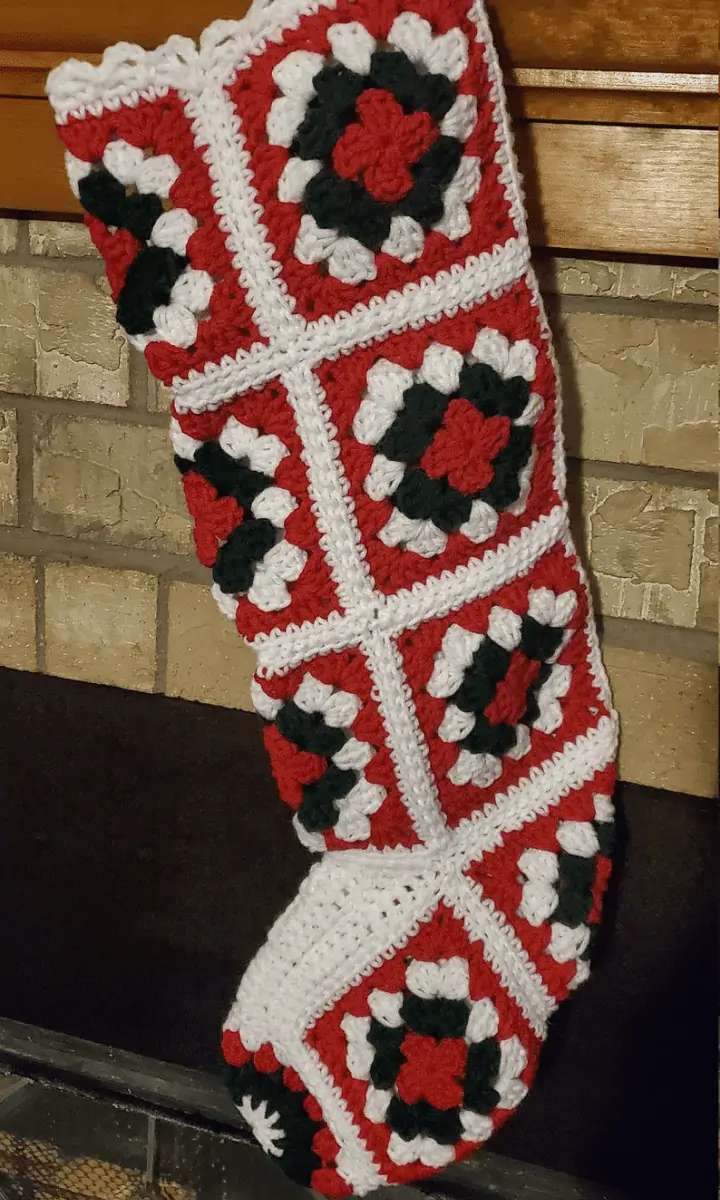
x,y
312,226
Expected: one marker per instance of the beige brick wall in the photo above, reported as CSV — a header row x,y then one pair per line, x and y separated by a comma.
x,y
97,579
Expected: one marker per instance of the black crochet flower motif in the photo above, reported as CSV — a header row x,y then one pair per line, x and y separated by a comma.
x,y
459,448
435,1063
162,295
278,1119
376,135
454,444
378,139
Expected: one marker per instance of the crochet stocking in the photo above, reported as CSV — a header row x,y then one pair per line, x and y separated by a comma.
x,y
313,227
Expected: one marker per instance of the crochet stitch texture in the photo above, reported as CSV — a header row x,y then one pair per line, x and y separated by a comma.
x,y
313,228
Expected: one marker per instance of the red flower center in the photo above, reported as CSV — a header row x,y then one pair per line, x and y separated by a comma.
x,y
464,447
510,701
433,1071
380,148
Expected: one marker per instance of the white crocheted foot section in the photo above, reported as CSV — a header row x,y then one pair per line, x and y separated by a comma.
x,y
313,228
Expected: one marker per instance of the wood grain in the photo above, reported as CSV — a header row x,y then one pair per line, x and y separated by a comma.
x,y
655,35
595,97
605,107
617,189
602,188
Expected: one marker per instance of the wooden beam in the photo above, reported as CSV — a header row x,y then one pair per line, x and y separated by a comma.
x,y
595,97
644,35
596,188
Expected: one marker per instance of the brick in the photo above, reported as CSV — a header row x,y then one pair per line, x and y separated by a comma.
x,y
61,239
106,482
645,545
642,281
17,613
100,625
8,235
8,467
158,396
707,613
639,389
207,659
668,720
59,337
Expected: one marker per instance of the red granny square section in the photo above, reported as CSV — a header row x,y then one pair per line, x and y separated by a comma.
x,y
582,706
253,91
346,671
465,442
161,126
501,879
313,594
442,935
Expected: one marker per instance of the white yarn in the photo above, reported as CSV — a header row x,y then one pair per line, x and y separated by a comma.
x,y
447,978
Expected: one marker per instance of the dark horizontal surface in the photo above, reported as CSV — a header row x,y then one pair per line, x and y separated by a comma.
x,y
145,853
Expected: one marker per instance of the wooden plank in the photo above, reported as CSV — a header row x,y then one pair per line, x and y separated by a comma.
x,y
23,73
653,190
605,107
636,190
655,35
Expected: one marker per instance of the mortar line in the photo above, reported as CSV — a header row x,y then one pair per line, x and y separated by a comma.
x,y
89,410
25,485
40,615
161,632
28,543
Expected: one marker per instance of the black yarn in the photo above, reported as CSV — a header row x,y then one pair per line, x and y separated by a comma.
x,y
437,1018
532,712
433,172
576,876
297,1158
490,394
329,112
483,1067
388,1058
308,731
485,738
489,666
237,558
416,424
422,498
317,812
230,476
343,204
539,641
423,1120
504,489
605,831
104,197
392,71
148,283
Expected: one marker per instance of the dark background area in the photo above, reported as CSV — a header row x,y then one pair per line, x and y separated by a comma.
x,y
145,853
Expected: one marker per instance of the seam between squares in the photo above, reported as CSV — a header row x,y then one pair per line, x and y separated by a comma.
x,y
329,492
483,832
539,792
510,174
281,651
421,304
218,138
341,543
405,739
502,949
